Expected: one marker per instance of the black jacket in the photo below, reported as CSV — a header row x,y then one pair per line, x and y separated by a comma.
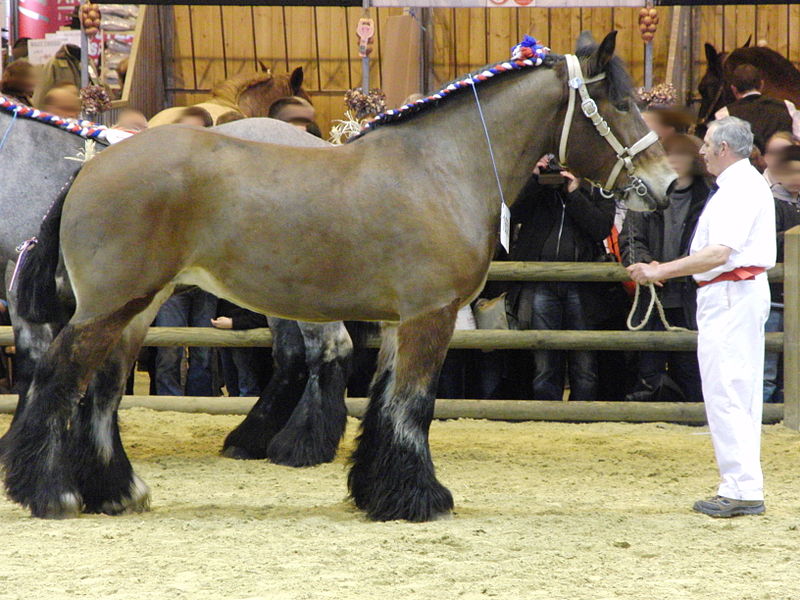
x,y
241,317
558,226
642,240
787,215
765,115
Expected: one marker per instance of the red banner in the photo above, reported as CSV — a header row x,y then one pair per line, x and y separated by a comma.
x,y
38,17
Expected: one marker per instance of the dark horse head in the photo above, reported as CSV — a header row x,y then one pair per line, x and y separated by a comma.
x,y
592,154
781,79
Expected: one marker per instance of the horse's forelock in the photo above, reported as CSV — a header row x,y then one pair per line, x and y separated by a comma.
x,y
620,85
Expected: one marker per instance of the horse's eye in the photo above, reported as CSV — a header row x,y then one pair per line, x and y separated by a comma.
x,y
623,105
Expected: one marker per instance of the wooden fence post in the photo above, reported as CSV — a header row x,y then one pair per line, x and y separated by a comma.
x,y
791,328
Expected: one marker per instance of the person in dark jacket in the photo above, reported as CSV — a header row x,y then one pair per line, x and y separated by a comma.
x,y
786,191
765,115
245,370
567,222
662,236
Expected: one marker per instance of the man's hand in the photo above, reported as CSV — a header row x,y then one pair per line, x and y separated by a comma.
x,y
646,273
573,181
222,323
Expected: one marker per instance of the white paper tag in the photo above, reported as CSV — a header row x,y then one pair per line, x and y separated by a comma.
x,y
505,227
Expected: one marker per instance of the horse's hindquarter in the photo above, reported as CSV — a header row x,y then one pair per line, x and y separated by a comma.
x,y
311,234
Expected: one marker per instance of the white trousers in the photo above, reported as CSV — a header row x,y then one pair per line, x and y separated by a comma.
x,y
730,349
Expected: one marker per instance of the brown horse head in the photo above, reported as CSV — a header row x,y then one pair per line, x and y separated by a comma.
x,y
781,79
588,153
254,93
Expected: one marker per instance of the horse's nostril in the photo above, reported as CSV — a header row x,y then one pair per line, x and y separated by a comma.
x,y
671,186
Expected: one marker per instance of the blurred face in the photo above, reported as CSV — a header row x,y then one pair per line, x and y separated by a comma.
x,y
681,163
192,120
132,120
773,148
653,121
27,81
64,103
788,176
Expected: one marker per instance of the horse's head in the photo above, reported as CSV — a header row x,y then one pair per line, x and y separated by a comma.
x,y
254,94
714,93
605,139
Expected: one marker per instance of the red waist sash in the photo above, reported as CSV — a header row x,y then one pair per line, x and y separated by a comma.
x,y
738,274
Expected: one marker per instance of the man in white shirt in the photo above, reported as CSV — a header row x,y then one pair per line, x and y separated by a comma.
x,y
733,246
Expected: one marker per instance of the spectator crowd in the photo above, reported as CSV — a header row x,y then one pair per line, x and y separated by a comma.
x,y
557,217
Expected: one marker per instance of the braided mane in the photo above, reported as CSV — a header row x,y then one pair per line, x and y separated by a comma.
x,y
80,127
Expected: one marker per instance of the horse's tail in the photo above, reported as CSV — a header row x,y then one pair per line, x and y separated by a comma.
x,y
37,294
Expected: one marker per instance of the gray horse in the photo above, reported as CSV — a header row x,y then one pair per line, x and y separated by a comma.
x,y
300,416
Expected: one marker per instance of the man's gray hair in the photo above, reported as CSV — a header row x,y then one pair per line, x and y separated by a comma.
x,y
735,132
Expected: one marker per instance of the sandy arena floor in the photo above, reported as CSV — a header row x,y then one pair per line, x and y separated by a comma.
x,y
544,510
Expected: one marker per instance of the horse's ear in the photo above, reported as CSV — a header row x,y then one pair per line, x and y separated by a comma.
x,y
712,58
603,55
296,80
749,40
264,68
585,40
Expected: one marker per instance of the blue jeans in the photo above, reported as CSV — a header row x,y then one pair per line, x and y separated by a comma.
x,y
772,376
245,370
192,308
558,306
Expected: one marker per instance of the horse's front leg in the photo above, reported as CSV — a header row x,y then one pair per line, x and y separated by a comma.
x,y
279,398
313,432
392,476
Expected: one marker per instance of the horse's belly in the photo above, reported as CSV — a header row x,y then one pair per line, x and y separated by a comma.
x,y
296,301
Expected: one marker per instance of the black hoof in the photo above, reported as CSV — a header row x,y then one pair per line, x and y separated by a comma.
x,y
290,451
136,499
67,505
399,493
237,453
248,441
393,503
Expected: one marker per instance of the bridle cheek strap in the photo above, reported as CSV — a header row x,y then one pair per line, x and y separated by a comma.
x,y
577,86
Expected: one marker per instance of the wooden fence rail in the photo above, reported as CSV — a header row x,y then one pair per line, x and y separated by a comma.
x,y
787,342
485,339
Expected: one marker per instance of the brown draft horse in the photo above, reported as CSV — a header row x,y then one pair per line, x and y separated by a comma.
x,y
398,226
250,94
781,78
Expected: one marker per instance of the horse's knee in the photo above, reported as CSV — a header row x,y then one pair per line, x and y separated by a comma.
x,y
326,343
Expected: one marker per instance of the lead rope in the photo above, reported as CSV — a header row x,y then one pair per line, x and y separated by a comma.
x,y
655,301
8,131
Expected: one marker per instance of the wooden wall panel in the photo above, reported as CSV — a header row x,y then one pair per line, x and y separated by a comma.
x,y
238,39
208,47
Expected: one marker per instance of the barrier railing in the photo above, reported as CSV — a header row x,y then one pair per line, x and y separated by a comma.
x,y
787,342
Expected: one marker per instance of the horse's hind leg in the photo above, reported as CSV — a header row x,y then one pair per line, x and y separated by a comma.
x,y
392,475
103,474
317,424
35,455
278,399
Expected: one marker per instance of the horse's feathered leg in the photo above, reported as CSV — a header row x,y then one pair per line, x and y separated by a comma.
x,y
392,475
278,399
103,473
312,434
38,473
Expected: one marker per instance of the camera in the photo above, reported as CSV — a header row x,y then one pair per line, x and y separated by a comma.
x,y
551,176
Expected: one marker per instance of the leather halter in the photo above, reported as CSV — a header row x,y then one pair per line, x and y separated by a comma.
x,y
625,155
